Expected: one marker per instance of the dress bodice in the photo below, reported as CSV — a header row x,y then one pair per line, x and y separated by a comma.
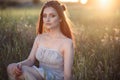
x,y
51,60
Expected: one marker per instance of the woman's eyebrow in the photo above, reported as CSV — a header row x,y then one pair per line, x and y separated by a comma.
x,y
52,14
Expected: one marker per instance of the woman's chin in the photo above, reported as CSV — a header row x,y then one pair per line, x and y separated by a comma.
x,y
48,27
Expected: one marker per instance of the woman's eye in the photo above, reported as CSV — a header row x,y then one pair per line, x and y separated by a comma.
x,y
53,15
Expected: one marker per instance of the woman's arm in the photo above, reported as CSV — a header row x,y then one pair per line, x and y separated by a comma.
x,y
17,69
68,60
31,58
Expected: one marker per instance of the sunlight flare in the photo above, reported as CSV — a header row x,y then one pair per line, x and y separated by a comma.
x,y
104,2
106,6
83,1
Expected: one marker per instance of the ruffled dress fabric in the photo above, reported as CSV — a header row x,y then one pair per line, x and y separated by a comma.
x,y
51,64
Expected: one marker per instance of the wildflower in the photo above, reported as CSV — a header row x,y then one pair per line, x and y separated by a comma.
x,y
116,38
106,28
102,40
26,25
116,30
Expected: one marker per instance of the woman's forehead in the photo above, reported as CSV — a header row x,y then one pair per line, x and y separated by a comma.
x,y
49,10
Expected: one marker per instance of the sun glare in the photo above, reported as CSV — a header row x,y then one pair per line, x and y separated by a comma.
x,y
83,1
105,4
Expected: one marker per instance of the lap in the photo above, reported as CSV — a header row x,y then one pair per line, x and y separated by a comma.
x,y
27,72
31,72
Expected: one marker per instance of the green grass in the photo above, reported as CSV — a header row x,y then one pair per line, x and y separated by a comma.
x,y
97,53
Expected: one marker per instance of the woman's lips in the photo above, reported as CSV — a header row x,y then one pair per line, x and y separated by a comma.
x,y
48,23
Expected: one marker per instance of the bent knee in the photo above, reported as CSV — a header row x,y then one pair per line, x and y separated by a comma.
x,y
31,72
10,67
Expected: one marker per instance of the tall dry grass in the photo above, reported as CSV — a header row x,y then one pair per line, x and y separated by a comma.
x,y
97,53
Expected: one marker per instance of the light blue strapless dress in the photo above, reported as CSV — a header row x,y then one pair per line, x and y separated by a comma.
x,y
51,65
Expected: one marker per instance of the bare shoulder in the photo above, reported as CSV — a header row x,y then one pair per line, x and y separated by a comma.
x,y
68,43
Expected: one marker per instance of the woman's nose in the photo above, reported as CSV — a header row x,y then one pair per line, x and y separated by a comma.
x,y
48,19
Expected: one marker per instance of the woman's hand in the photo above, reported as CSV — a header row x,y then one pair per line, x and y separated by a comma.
x,y
17,70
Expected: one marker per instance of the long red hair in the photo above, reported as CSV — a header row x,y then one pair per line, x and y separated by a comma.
x,y
64,24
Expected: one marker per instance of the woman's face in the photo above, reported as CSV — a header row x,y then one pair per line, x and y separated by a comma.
x,y
50,18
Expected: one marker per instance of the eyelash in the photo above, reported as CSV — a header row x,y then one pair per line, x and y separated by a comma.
x,y
53,15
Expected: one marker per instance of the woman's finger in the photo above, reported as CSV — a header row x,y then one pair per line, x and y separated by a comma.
x,y
17,70
18,73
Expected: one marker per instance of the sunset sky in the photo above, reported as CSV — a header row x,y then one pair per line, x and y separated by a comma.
x,y
98,3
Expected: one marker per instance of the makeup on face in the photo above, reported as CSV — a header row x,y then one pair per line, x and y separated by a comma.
x,y
50,18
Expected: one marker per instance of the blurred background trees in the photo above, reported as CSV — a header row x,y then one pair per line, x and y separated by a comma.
x,y
7,3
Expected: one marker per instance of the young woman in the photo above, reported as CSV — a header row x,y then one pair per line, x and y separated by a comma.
x,y
53,48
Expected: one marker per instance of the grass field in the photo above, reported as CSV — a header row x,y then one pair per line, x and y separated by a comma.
x,y
97,35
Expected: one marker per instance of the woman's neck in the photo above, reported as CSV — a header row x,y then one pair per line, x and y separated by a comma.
x,y
54,33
